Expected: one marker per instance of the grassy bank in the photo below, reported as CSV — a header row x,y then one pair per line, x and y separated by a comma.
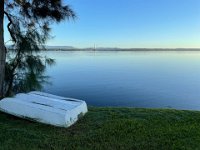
x,y
107,128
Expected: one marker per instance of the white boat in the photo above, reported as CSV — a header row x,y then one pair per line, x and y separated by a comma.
x,y
45,108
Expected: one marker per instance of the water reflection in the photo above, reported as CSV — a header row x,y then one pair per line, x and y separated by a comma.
x,y
136,79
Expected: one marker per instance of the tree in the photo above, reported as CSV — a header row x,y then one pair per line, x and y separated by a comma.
x,y
2,49
29,27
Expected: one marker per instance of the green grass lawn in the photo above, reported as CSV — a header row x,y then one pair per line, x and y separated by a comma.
x,y
107,128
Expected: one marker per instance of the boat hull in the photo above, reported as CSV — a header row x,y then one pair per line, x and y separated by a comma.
x,y
45,108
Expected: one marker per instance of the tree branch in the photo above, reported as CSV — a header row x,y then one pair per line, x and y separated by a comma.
x,y
8,26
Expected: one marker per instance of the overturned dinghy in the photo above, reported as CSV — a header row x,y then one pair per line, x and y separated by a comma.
x,y
45,108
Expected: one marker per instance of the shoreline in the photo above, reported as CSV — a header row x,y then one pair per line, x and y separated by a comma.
x,y
123,50
119,49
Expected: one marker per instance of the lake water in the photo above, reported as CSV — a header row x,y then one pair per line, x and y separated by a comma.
x,y
151,79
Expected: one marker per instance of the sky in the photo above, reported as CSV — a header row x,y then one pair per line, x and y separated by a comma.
x,y
130,24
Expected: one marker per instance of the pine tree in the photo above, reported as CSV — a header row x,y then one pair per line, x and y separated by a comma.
x,y
22,68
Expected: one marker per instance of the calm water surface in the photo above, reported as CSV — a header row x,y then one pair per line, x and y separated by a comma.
x,y
133,79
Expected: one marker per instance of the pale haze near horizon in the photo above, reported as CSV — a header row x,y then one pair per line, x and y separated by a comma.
x,y
130,24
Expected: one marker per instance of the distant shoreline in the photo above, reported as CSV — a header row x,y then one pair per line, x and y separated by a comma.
x,y
119,49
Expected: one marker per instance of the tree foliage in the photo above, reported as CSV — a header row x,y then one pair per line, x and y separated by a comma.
x,y
29,27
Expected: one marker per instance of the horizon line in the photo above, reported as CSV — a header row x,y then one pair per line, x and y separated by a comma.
x,y
125,47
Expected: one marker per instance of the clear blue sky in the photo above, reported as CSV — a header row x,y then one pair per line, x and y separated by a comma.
x,y
131,23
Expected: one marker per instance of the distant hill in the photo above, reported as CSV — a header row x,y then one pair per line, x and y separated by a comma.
x,y
71,48
59,47
52,48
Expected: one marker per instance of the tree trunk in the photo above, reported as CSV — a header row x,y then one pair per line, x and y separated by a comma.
x,y
2,49
10,85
